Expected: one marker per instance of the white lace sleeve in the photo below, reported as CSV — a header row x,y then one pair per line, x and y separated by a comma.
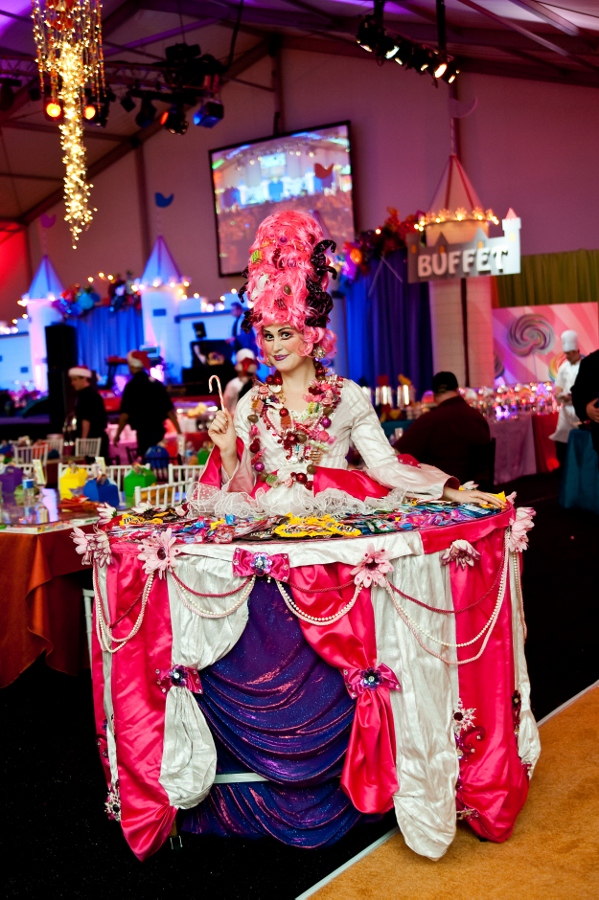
x,y
242,478
378,455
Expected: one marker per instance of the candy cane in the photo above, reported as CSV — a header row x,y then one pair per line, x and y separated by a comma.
x,y
219,386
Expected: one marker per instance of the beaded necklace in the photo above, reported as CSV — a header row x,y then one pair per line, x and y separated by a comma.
x,y
304,438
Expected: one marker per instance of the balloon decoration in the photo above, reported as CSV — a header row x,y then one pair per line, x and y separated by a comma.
x,y
358,255
77,302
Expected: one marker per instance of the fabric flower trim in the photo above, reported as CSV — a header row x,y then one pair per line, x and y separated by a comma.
x,y
373,568
93,547
158,553
462,553
522,525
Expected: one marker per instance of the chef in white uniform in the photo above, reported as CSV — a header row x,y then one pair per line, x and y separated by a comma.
x,y
565,378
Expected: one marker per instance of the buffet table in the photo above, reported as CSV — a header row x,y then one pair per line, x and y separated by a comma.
x,y
523,446
269,685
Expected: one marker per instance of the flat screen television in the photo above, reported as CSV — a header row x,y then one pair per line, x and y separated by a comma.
x,y
304,170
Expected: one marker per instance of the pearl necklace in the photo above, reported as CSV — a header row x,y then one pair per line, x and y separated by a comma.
x,y
187,600
317,620
488,628
108,642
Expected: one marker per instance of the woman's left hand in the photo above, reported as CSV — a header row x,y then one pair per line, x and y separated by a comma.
x,y
479,497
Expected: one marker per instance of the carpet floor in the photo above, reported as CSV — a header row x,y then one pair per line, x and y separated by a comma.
x,y
553,853
57,841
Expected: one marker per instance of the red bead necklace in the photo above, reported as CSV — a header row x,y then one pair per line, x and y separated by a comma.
x,y
307,439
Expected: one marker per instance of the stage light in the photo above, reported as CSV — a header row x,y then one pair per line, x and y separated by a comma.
x,y
128,103
146,114
369,32
174,119
450,74
89,111
90,278
387,47
53,109
209,114
440,68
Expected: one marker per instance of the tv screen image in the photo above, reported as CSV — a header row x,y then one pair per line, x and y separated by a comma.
x,y
308,171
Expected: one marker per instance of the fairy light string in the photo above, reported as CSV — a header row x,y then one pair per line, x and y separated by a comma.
x,y
68,39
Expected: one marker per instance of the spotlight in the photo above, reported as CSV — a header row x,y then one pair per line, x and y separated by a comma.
x,y
53,109
127,102
146,114
89,111
7,95
439,67
387,47
174,119
209,114
449,76
368,34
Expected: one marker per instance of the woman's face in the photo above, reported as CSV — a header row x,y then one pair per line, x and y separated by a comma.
x,y
282,346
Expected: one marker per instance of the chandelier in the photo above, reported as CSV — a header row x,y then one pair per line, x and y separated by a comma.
x,y
68,38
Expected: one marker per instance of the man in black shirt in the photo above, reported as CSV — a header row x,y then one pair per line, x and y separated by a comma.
x,y
585,392
145,405
89,408
453,436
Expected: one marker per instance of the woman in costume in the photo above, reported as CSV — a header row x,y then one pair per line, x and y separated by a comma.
x,y
285,450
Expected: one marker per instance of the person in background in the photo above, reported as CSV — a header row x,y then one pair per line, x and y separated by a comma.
x,y
585,394
453,436
246,366
240,340
565,378
145,405
90,411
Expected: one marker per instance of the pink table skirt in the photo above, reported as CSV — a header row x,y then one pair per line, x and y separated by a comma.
x,y
443,727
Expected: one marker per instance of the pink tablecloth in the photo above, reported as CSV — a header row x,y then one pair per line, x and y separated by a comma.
x,y
515,448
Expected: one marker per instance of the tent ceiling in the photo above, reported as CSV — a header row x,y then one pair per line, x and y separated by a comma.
x,y
517,38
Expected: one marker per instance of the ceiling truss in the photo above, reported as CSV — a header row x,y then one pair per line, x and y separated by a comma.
x,y
550,48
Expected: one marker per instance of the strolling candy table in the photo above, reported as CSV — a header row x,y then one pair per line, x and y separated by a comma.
x,y
291,686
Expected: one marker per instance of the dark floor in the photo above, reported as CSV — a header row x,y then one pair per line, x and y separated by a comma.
x,y
58,842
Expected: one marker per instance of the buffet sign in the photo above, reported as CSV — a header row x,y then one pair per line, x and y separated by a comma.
x,y
481,256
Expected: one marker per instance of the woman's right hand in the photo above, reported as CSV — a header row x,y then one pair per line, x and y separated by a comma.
x,y
222,433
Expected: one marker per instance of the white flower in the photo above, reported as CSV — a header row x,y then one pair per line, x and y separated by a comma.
x,y
83,545
158,553
523,523
93,547
462,553
106,512
141,507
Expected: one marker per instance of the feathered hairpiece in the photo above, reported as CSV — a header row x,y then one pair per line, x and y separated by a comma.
x,y
288,274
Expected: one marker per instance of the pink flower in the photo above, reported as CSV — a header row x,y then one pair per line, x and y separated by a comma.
x,y
373,568
158,553
462,553
93,547
523,523
83,545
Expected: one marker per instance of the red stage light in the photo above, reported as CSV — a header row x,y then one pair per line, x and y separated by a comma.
x,y
164,117
89,112
53,109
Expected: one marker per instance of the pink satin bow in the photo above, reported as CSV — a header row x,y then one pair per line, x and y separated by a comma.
x,y
182,676
246,563
359,680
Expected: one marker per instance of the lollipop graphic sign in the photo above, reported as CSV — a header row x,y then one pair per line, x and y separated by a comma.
x,y
527,342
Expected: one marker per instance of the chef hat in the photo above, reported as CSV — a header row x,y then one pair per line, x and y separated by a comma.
x,y
138,359
80,372
569,341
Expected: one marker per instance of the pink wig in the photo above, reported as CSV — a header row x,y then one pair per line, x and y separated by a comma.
x,y
287,279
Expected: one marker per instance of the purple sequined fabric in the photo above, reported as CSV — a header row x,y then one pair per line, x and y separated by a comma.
x,y
276,709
